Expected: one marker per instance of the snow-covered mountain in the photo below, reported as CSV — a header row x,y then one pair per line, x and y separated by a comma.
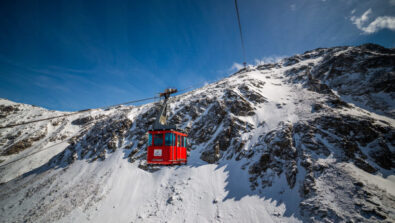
x,y
310,138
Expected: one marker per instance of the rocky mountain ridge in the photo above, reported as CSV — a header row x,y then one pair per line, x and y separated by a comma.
x,y
311,132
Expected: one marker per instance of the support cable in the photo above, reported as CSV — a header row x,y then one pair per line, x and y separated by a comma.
x,y
86,110
74,113
241,35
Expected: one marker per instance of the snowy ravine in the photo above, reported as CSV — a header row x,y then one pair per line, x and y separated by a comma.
x,y
308,139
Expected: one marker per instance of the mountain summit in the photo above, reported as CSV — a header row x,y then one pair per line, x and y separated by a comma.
x,y
310,138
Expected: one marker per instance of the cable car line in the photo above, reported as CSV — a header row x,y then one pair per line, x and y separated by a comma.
x,y
39,120
86,110
128,102
74,113
241,35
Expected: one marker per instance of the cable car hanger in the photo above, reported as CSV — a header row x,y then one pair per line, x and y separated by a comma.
x,y
161,118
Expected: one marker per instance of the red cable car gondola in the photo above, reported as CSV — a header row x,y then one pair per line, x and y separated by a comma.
x,y
166,143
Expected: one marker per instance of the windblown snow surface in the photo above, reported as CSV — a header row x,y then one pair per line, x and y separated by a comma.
x,y
308,139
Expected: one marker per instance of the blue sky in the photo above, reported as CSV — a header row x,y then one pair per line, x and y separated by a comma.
x,y
70,55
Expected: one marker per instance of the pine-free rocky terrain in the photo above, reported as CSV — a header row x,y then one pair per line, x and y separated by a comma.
x,y
308,139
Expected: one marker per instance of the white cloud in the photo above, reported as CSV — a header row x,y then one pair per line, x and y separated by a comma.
x,y
392,2
359,21
293,7
353,11
381,22
236,66
266,60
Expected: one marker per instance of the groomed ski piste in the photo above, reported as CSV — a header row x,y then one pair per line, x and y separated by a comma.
x,y
46,187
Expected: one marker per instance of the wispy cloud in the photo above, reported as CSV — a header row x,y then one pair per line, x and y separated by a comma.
x,y
359,21
236,66
263,60
381,22
49,83
293,7
266,60
392,2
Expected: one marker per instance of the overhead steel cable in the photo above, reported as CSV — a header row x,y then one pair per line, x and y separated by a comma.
x,y
241,35
86,110
38,120
128,102
185,89
74,113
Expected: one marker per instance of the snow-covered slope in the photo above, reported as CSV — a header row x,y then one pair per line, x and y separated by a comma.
x,y
310,138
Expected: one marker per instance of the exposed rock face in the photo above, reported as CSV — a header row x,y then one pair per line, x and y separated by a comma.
x,y
346,138
237,104
18,147
82,121
105,136
5,110
24,143
279,156
359,72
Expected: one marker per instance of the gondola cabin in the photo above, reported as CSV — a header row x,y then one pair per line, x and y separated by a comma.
x,y
167,144
166,147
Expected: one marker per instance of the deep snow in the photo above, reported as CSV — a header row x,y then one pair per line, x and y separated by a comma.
x,y
117,190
